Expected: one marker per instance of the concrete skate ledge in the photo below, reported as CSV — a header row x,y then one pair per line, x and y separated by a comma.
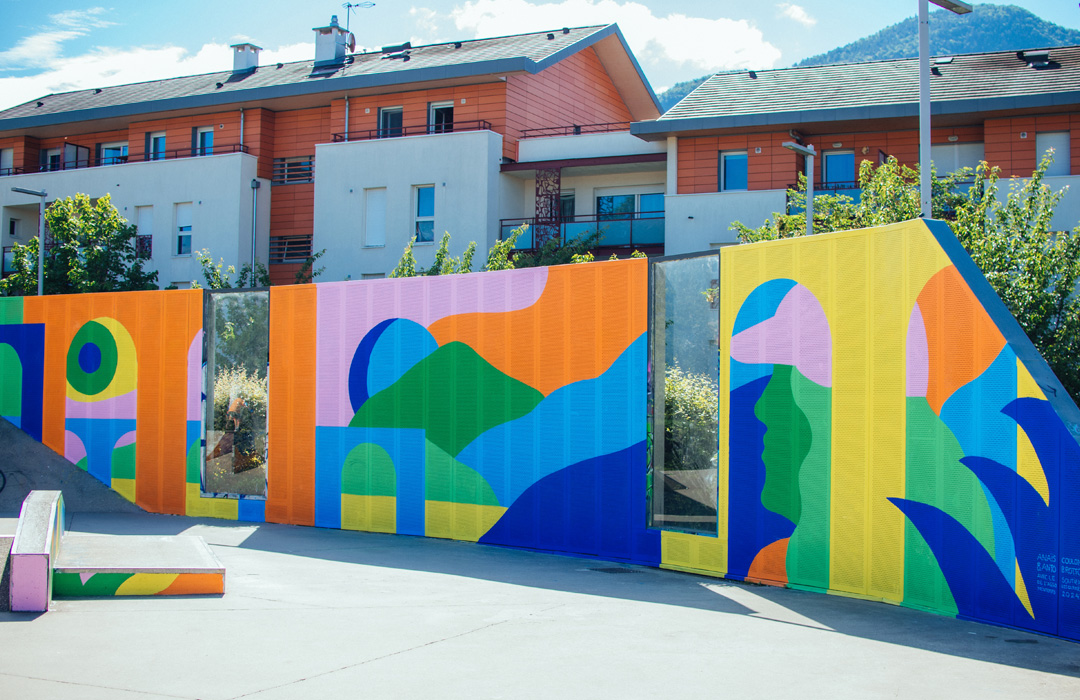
x,y
34,549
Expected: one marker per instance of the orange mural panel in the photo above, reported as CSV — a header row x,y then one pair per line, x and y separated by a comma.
x,y
961,339
546,347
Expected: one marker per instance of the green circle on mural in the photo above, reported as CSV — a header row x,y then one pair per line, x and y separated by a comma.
x,y
98,337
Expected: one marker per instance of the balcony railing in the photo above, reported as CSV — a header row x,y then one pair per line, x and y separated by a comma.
x,y
575,130
117,160
290,249
396,132
626,230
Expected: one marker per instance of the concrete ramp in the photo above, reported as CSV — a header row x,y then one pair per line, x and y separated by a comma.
x,y
28,465
116,565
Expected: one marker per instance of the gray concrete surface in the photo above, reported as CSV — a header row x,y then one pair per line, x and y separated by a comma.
x,y
311,613
149,554
27,465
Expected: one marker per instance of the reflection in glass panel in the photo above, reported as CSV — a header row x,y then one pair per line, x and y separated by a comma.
x,y
684,394
617,206
652,206
236,353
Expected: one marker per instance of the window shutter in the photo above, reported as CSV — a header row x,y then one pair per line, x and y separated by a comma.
x,y
194,140
97,154
146,147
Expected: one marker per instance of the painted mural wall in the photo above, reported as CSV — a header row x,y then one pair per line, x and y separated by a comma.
x,y
885,429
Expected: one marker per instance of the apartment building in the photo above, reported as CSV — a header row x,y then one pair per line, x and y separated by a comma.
x,y
353,153
725,161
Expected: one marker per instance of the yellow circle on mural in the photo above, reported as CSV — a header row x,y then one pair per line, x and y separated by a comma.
x,y
85,362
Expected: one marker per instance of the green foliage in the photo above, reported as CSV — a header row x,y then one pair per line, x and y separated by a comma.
x,y
638,254
890,193
218,276
231,383
241,331
308,272
93,250
501,255
988,28
406,267
1033,268
690,419
574,250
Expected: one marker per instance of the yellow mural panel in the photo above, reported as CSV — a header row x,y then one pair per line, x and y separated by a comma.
x,y
145,584
369,513
459,521
199,507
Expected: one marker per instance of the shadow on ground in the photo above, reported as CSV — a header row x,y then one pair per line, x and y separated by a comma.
x,y
881,622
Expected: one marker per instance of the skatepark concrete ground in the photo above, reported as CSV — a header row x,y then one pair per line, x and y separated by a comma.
x,y
314,613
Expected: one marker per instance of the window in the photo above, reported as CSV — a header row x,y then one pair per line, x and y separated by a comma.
x,y
7,161
950,157
733,171
425,214
13,228
113,153
838,168
51,159
375,217
1059,141
440,117
183,229
622,206
390,122
155,145
567,202
144,221
204,141
184,284
289,171
372,275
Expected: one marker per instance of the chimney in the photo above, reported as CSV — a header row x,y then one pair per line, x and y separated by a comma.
x,y
245,57
332,43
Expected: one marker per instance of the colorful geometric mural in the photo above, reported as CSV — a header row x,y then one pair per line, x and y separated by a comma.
x,y
886,430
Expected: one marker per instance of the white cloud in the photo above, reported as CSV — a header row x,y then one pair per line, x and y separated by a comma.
x,y
106,67
42,48
797,13
669,41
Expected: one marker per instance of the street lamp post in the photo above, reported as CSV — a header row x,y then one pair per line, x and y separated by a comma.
x,y
809,152
41,236
960,8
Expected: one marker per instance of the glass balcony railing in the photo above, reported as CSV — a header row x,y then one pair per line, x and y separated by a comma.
x,y
81,162
624,230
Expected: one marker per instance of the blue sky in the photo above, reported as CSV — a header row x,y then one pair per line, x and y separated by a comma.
x,y
57,46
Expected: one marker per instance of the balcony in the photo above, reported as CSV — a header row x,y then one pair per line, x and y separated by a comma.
x,y
422,130
81,162
290,249
618,232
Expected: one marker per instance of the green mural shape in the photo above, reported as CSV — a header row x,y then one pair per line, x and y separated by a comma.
x,y
808,550
123,462
100,584
91,383
369,471
446,479
81,464
11,377
11,310
787,443
194,456
935,476
453,394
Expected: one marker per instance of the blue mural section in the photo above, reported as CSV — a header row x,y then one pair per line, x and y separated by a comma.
x,y
28,342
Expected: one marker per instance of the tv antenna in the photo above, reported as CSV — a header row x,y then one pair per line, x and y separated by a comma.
x,y
350,6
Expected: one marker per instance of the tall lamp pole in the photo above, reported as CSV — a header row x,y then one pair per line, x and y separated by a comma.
x,y
41,235
960,8
809,152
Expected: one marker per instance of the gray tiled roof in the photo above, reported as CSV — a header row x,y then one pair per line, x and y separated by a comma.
x,y
742,98
430,62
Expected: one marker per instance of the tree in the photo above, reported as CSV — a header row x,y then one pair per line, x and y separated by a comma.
x,y
444,263
91,249
218,276
1034,269
308,272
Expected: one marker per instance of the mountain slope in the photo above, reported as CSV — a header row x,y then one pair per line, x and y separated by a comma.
x,y
987,28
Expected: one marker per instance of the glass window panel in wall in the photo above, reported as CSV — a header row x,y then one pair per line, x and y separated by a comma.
x,y
205,141
425,214
839,168
615,206
684,394
390,121
440,117
733,171
236,356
